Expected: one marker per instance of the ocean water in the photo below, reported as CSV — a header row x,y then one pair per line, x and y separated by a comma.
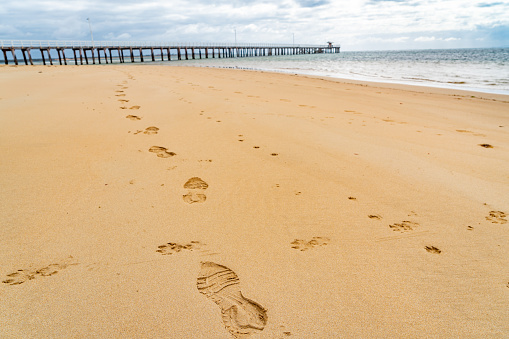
x,y
483,69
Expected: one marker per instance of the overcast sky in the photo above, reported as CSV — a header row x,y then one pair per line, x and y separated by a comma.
x,y
354,24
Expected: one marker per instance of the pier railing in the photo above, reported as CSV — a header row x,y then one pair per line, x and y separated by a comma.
x,y
85,43
133,51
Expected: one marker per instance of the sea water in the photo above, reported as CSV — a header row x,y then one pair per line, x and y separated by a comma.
x,y
483,69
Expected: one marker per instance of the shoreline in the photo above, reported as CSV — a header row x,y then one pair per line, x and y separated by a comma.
x,y
418,88
337,208
358,77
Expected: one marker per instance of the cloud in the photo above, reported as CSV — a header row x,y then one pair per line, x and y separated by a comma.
x,y
120,37
360,24
378,1
432,38
425,38
389,40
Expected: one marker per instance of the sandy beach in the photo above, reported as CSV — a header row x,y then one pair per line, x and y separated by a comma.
x,y
142,201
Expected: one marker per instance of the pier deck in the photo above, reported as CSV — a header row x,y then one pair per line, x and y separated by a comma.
x,y
86,52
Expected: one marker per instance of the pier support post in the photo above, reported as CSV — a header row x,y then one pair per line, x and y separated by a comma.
x,y
59,57
30,57
141,54
49,56
24,56
86,57
43,57
74,55
63,56
13,52
4,51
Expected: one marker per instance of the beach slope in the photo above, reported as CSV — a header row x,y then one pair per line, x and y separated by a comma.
x,y
155,201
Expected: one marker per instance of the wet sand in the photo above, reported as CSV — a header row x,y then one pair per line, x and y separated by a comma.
x,y
154,201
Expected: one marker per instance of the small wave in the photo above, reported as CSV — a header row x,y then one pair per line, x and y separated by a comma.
x,y
419,79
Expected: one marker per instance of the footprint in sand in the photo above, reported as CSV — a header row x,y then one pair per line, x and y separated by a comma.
x,y
135,107
283,333
486,145
196,190
497,217
241,316
23,275
133,117
404,226
151,130
473,133
172,247
432,249
162,152
304,245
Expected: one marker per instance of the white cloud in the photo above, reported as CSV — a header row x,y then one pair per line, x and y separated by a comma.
x,y
120,37
432,38
389,40
360,23
425,38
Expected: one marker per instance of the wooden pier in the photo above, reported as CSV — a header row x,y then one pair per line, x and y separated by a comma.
x,y
85,53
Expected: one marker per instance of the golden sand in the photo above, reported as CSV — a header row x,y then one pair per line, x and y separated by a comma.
x,y
172,202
